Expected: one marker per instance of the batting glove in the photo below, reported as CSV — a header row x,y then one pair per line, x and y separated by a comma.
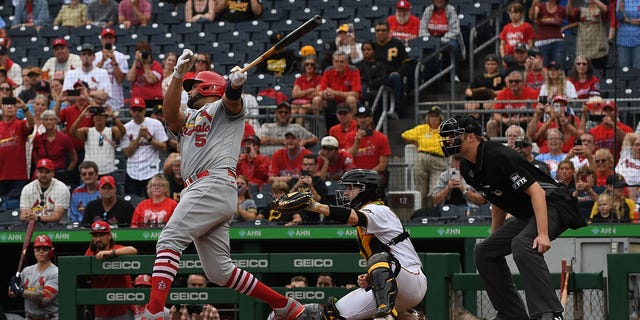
x,y
184,63
15,285
236,77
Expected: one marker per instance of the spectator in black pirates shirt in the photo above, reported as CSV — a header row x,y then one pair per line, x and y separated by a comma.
x,y
238,10
391,52
279,63
542,209
109,208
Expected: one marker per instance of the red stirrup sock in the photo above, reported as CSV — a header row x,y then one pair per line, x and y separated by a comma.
x,y
245,283
165,269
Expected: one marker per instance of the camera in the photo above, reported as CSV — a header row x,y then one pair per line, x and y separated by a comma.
x,y
543,99
248,150
144,54
9,100
520,144
96,109
73,93
596,117
556,107
108,46
304,173
368,132
455,174
583,177
577,142
194,308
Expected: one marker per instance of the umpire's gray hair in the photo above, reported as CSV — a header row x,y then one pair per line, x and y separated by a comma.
x,y
49,113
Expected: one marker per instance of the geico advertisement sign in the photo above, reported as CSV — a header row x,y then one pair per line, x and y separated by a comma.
x,y
121,265
125,296
189,296
251,263
313,263
190,264
305,295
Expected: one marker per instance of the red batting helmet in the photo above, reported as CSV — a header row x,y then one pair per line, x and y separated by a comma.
x,y
208,83
142,280
44,241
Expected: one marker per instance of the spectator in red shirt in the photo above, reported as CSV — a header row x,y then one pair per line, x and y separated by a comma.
x,y
404,25
345,126
332,161
339,83
286,163
146,76
610,133
305,88
517,31
78,100
13,157
253,165
515,90
103,247
369,148
583,79
134,13
554,115
155,211
548,17
534,71
56,146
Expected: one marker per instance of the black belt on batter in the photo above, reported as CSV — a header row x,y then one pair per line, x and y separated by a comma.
x,y
432,154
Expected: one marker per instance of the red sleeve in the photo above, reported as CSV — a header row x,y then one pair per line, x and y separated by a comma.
x,y
529,33
503,33
67,144
349,139
385,149
138,218
171,206
324,81
276,164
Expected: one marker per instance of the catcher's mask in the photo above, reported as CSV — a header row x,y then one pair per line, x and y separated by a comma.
x,y
369,184
452,131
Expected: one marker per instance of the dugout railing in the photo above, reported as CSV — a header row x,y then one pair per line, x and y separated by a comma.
x,y
442,270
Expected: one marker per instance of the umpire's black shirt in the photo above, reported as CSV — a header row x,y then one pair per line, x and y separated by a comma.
x,y
502,175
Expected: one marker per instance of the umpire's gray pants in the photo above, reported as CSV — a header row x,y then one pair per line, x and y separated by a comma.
x,y
516,236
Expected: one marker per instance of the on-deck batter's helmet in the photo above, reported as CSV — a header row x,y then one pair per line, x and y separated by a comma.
x,y
142,280
208,83
451,131
43,240
370,183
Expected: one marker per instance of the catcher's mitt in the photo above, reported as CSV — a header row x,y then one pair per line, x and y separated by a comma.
x,y
293,202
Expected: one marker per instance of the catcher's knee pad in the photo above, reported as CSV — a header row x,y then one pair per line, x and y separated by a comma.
x,y
330,312
383,283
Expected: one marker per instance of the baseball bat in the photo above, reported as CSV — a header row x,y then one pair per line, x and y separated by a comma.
x,y
25,245
564,295
290,38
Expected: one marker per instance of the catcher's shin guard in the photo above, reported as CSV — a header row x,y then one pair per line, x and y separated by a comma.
x,y
383,283
330,312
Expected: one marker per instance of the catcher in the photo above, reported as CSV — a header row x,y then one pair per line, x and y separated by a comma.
x,y
394,281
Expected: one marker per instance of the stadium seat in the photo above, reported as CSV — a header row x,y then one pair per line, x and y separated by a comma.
x,y
263,200
274,14
9,218
133,199
342,14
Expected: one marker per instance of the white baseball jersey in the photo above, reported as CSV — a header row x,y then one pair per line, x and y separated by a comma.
x,y
34,280
210,139
145,162
97,79
43,203
101,149
117,97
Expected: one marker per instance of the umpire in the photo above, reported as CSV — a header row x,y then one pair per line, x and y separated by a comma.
x,y
541,209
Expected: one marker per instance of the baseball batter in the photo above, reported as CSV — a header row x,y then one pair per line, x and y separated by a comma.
x,y
394,281
209,134
38,284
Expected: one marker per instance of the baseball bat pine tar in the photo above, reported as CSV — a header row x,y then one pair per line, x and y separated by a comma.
x,y
290,38
25,245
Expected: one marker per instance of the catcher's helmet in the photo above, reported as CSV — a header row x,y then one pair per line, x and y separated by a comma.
x,y
208,83
451,131
43,240
370,183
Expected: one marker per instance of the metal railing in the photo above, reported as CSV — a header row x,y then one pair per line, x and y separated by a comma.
x,y
450,69
496,20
